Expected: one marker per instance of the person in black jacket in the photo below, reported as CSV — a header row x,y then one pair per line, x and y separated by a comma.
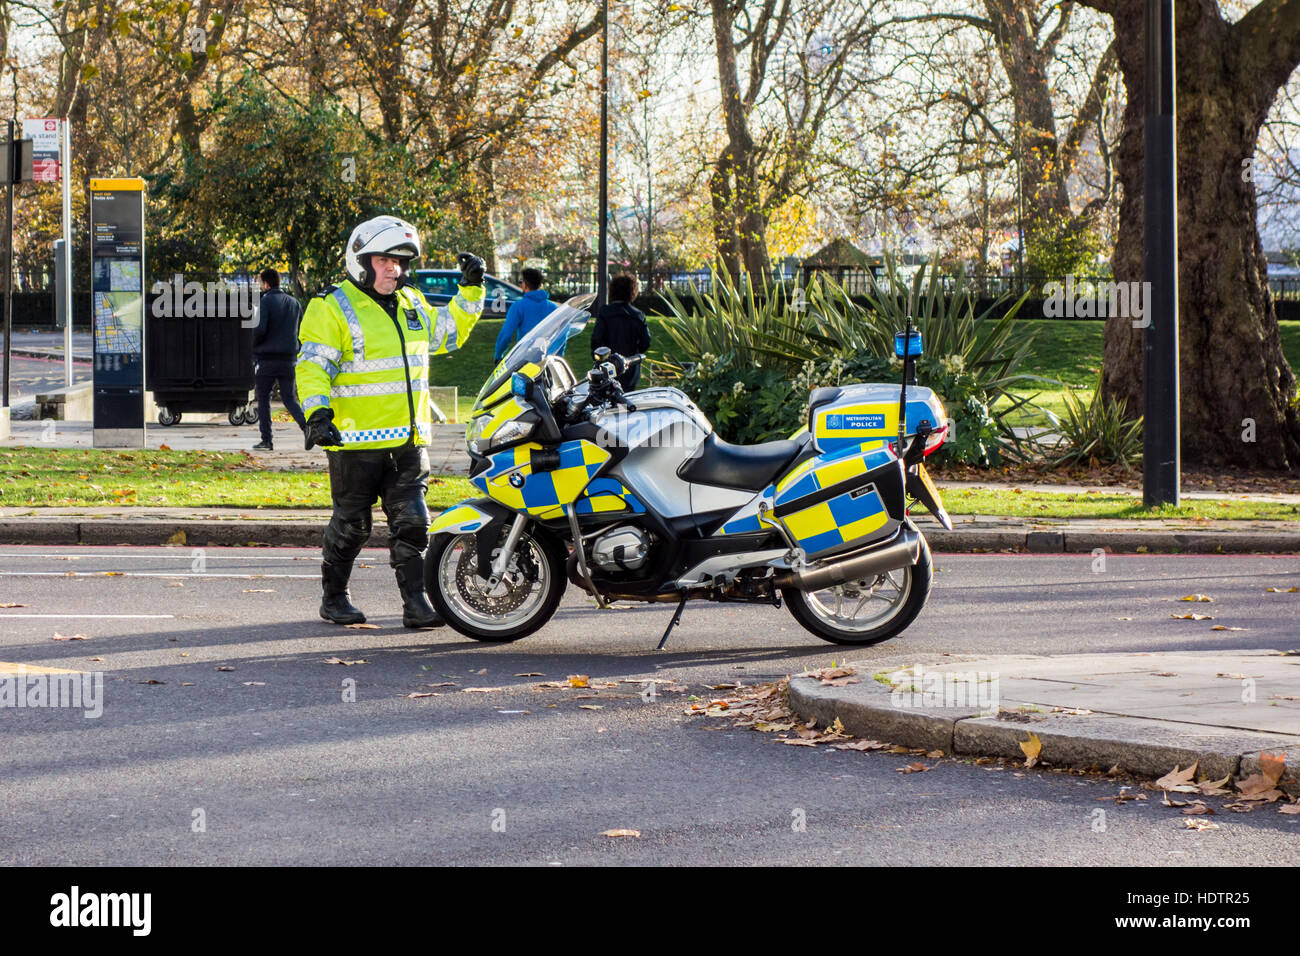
x,y
275,349
622,328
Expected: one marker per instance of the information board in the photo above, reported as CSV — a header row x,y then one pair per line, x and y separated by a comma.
x,y
118,302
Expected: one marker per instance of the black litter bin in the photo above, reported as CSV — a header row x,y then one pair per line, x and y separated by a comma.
x,y
200,363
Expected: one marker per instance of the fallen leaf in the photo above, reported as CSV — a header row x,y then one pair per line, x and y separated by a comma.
x,y
620,833
840,682
254,683
1220,627
1217,788
225,667
1032,748
339,660
364,626
482,690
70,637
516,712
1233,676
1179,780
445,683
164,447
94,658
151,681
1198,808
591,706
798,741
913,768
579,680
859,745
177,584
1192,823
178,537
1289,808
11,604
1199,598
531,674
932,754
1191,617
425,694
1282,590
264,591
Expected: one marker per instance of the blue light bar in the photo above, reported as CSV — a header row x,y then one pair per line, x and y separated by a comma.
x,y
913,344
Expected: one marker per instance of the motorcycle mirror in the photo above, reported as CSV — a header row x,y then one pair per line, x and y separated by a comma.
x,y
602,354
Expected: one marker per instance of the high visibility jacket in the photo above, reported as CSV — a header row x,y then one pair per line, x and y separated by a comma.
x,y
373,370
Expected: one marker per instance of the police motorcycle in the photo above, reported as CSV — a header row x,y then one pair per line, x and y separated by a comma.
x,y
634,497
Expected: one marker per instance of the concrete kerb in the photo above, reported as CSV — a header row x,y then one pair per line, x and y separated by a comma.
x,y
1141,746
288,530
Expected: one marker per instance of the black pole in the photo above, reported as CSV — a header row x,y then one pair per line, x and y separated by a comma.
x,y
1160,429
602,253
9,254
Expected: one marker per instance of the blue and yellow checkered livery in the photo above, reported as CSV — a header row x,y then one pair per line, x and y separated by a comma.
x,y
867,415
608,496
510,478
820,524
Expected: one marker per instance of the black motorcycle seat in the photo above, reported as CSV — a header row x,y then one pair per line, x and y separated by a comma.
x,y
744,467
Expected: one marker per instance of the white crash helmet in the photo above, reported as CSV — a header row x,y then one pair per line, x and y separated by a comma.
x,y
383,235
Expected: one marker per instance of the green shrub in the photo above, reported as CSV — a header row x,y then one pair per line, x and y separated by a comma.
x,y
1100,431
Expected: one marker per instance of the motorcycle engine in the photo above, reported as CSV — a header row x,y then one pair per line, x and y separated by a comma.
x,y
625,548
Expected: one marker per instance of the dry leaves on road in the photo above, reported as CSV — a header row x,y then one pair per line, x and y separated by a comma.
x,y
482,690
1191,617
914,768
620,833
1179,781
151,681
225,667
416,694
1124,796
1262,787
11,604
1289,808
859,745
1281,590
1199,598
69,637
259,590
1032,748
1195,823
364,626
339,660
1220,627
579,680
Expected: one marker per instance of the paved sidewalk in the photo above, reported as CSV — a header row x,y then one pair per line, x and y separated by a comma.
x,y
1142,712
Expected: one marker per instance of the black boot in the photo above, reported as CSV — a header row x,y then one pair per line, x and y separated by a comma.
x,y
337,604
416,609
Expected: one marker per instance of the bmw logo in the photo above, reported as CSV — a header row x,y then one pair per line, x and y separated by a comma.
x,y
517,480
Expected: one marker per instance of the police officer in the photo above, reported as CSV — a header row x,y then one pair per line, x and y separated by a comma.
x,y
363,378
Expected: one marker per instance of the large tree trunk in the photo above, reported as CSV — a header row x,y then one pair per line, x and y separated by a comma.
x,y
1235,383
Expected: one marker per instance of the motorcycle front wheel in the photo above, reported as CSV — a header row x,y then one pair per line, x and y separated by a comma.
x,y
867,611
529,592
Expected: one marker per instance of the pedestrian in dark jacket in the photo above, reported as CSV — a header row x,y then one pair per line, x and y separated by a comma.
x,y
275,349
622,328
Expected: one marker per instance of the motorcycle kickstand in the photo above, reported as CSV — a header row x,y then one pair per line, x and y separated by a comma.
x,y
677,619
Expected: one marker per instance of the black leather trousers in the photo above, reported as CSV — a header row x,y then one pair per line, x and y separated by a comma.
x,y
398,477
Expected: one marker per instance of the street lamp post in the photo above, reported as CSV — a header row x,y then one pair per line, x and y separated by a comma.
x,y
1160,428
602,251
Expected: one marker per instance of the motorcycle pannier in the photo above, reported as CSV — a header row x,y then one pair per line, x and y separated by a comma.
x,y
838,502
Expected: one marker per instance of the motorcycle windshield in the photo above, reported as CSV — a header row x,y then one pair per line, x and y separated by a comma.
x,y
548,337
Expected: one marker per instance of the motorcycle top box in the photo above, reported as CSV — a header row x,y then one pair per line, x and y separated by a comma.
x,y
846,416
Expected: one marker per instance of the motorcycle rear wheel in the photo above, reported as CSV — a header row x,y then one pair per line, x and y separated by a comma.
x,y
524,601
851,613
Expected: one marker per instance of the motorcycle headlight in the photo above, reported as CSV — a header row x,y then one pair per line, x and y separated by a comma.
x,y
511,431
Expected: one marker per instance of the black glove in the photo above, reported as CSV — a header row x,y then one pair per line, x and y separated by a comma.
x,y
321,430
471,268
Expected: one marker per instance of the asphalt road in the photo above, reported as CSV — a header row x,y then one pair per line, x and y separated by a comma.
x,y
279,768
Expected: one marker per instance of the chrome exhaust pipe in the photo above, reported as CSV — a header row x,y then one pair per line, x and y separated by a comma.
x,y
903,550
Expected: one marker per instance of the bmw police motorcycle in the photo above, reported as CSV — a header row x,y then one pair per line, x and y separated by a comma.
x,y
634,497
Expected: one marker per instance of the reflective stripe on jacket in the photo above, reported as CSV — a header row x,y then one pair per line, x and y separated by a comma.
x,y
373,370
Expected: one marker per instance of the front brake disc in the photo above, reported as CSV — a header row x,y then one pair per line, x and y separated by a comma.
x,y
510,594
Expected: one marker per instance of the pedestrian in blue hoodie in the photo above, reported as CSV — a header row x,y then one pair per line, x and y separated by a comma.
x,y
525,312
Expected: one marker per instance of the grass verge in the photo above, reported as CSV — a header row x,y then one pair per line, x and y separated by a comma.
x,y
74,477
1017,503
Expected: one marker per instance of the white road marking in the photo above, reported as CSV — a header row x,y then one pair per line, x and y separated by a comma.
x,y
183,575
188,555
98,617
